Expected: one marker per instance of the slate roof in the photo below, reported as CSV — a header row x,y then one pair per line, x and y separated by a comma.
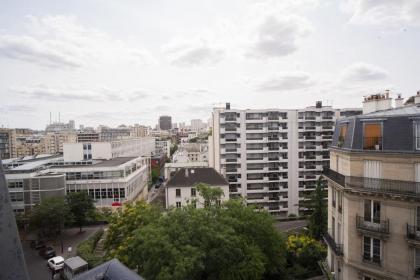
x,y
193,176
111,270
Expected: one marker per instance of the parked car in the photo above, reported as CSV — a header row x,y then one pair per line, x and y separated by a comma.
x,y
47,252
56,263
37,244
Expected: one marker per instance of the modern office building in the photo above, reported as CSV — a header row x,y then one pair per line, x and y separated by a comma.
x,y
272,157
107,134
374,192
29,181
7,143
135,147
181,187
87,136
165,122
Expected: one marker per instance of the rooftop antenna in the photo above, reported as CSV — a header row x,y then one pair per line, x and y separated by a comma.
x,y
59,119
50,117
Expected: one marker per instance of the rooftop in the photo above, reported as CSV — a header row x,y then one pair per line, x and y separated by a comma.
x,y
75,262
190,176
110,270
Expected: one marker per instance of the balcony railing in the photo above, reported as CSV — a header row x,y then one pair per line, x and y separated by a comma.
x,y
413,233
372,143
337,248
408,188
372,259
379,226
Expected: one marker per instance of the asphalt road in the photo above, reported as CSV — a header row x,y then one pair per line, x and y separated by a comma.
x,y
37,266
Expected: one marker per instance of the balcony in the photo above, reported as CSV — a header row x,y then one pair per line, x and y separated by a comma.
x,y
376,260
413,234
337,248
379,228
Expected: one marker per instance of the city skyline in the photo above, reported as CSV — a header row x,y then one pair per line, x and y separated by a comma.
x,y
151,60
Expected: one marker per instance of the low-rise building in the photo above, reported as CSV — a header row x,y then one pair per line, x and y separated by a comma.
x,y
181,188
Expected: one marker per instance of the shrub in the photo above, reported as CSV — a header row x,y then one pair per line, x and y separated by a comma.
x,y
86,249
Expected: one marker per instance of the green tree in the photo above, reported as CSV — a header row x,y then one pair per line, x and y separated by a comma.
x,y
50,216
81,206
316,204
303,254
210,195
229,242
155,174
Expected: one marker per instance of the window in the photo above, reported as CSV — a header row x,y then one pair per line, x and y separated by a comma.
x,y
16,197
342,135
193,192
417,262
333,191
178,204
178,192
372,211
372,250
340,201
417,128
372,136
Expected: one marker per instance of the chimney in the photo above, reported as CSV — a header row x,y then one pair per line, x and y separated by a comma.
x,y
377,102
318,104
228,106
399,101
417,98
186,172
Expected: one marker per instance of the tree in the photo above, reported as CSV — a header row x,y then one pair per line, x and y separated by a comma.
x,y
303,254
155,174
50,216
81,206
317,205
228,242
210,195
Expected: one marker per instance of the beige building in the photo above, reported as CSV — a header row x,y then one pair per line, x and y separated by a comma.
x,y
374,194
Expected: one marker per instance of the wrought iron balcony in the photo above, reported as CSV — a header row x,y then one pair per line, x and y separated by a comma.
x,y
407,188
376,226
372,259
337,248
413,233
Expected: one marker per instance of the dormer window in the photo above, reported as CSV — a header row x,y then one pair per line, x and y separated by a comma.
x,y
342,136
372,136
417,131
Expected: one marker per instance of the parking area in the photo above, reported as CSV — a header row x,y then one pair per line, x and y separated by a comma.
x,y
37,266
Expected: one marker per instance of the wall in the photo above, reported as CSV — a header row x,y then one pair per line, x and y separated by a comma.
x,y
186,198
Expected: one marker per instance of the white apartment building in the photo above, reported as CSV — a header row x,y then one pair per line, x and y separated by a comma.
x,y
181,188
163,147
273,157
197,125
143,146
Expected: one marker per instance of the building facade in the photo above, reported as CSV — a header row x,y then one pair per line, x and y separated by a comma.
x,y
181,188
7,143
374,193
273,158
165,122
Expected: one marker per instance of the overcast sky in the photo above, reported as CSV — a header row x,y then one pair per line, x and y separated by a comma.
x,y
114,62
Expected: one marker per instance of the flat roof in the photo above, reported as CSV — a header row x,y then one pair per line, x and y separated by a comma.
x,y
113,162
75,262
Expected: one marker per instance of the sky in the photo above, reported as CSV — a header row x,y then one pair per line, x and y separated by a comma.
x,y
130,61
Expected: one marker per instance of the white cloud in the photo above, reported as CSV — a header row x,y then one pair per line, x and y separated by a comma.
x,y
360,72
292,80
383,12
278,36
194,53
61,41
66,94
